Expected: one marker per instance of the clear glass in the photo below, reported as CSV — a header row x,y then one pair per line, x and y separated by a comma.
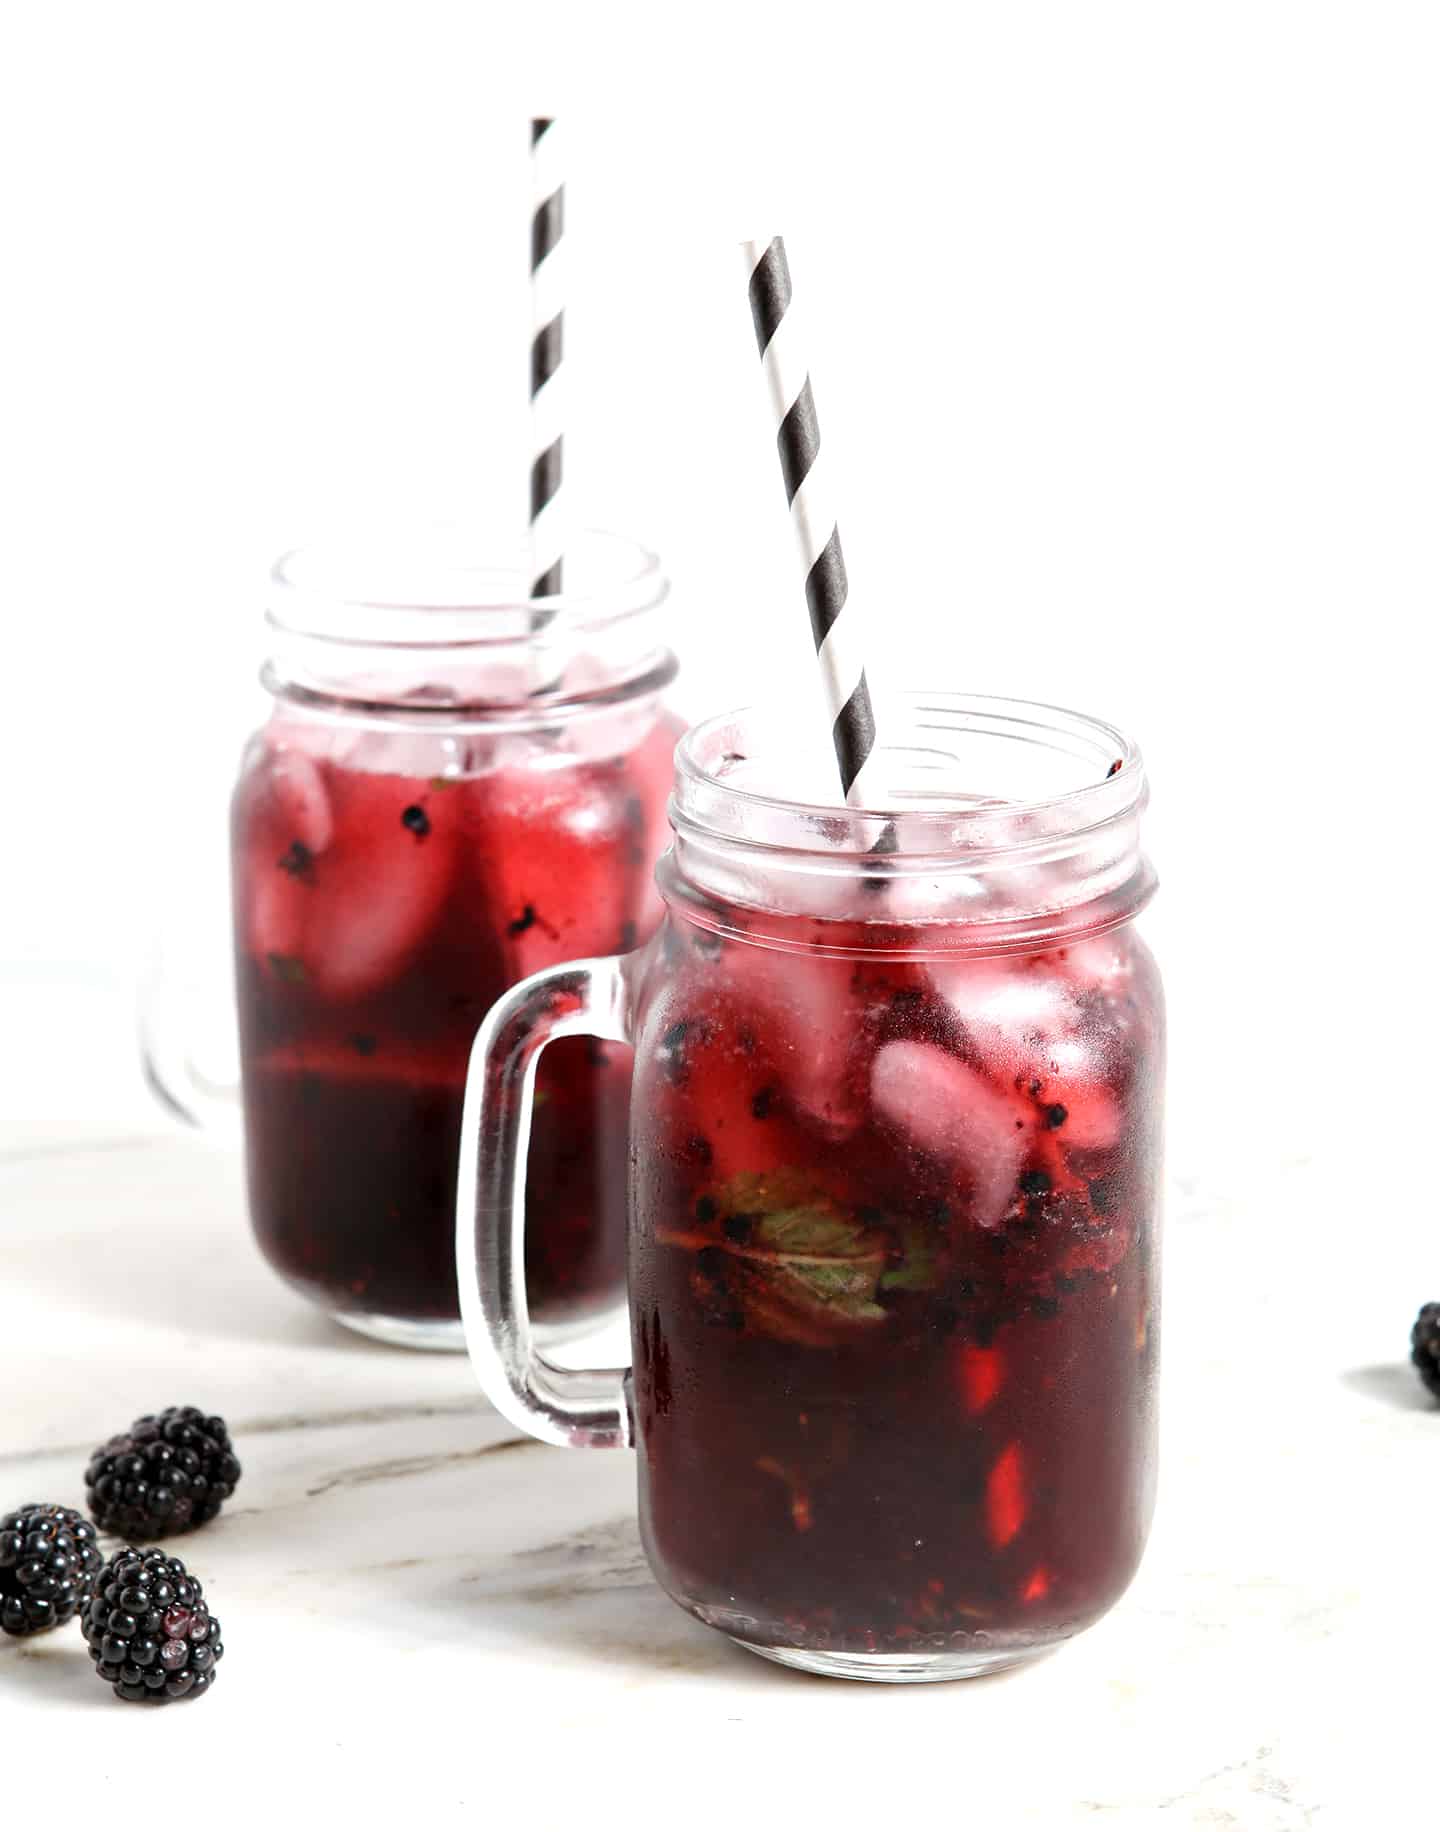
x,y
456,787
894,1195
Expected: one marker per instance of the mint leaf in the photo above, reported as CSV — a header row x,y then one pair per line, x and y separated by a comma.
x,y
918,1268
848,1290
804,1268
824,1256
811,1232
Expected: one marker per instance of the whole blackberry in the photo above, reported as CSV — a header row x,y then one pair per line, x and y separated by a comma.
x,y
148,1629
49,1560
1425,1346
169,1473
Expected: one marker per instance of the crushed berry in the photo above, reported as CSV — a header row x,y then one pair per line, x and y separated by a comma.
x,y
1056,1115
525,920
672,1052
1118,764
739,1228
416,820
297,859
705,1209
1035,1183
762,1103
889,842
698,1147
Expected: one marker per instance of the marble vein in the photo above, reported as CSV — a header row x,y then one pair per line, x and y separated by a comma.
x,y
396,1467
241,1428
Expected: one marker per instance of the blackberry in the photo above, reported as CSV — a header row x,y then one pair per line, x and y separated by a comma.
x,y
49,1560
1425,1346
148,1630
169,1473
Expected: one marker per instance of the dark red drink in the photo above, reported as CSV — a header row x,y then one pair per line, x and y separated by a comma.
x,y
894,1281
387,890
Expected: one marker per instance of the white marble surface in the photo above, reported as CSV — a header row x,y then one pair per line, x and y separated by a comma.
x,y
426,1617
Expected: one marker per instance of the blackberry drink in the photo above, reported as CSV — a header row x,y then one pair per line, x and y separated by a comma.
x,y
894,1241
381,915
413,834
894,1187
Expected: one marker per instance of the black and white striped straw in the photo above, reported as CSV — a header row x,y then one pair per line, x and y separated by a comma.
x,y
834,626
546,350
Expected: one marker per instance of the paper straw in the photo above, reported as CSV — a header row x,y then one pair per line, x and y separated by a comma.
x,y
833,621
546,349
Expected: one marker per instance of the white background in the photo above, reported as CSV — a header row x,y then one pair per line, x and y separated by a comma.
x,y
1124,321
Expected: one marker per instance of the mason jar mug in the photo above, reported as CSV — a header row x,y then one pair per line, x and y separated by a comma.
x,y
456,787
894,1193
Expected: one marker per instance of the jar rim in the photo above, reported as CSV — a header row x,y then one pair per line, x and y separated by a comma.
x,y
453,585
1005,825
915,820
430,622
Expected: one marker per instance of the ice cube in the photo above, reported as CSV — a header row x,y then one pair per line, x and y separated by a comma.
x,y
1096,961
562,856
422,756
728,1098
810,1014
958,1114
346,915
1029,1031
1003,1002
301,804
1071,1075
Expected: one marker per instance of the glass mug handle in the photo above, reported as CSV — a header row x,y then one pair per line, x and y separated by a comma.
x,y
173,990
587,1409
